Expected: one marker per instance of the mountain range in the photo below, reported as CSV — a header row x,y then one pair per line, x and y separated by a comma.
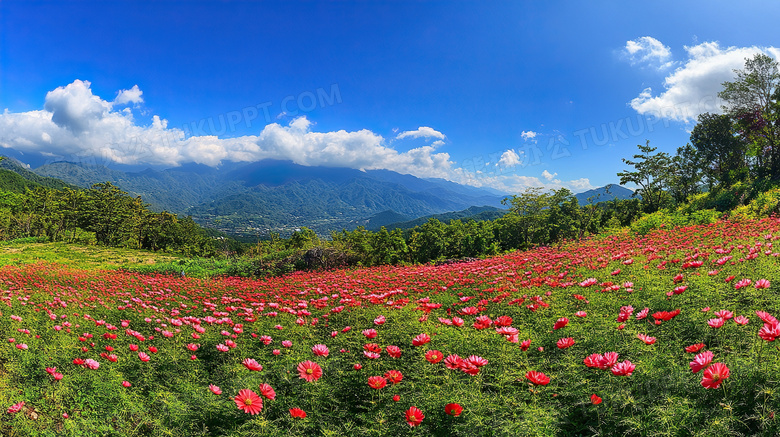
x,y
252,200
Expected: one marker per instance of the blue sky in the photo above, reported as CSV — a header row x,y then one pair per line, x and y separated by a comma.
x,y
499,94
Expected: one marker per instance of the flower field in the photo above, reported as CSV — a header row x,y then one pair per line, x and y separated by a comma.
x,y
668,334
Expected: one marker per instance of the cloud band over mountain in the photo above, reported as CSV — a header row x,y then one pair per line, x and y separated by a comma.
x,y
75,122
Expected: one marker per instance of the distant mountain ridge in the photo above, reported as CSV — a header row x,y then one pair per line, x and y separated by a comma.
x,y
279,196
476,213
604,194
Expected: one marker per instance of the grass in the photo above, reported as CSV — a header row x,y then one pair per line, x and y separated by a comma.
x,y
78,256
72,314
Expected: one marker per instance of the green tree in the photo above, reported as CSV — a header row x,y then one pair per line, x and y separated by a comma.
x,y
718,150
652,176
686,174
752,101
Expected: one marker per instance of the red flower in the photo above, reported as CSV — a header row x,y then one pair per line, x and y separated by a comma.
x,y
248,401
214,389
320,350
626,368
251,364
394,376
701,361
608,360
694,348
565,343
143,356
563,321
297,413
646,338
393,351
715,323
421,340
15,408
453,409
396,398
414,416
126,384
594,399
309,370
714,375
538,378
377,382
453,361
267,391
434,356
525,345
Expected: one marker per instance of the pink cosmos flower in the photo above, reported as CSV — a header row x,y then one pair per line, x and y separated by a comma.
x,y
565,343
626,368
646,338
537,378
421,340
267,391
715,323
393,351
714,375
701,361
560,323
15,408
762,283
320,350
309,370
252,365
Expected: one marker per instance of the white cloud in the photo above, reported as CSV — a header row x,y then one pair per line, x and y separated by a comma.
x,y
516,183
510,158
421,132
549,176
692,89
650,51
75,123
133,95
529,135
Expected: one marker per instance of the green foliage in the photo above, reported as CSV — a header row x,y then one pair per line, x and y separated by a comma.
x,y
653,174
671,219
102,214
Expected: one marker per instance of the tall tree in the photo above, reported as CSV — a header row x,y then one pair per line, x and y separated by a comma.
x,y
720,150
652,174
752,100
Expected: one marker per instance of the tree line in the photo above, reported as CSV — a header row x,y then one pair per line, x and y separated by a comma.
x,y
103,214
731,157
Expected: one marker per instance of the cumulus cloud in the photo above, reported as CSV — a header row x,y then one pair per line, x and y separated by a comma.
x,y
529,135
421,132
549,176
133,95
75,123
517,183
650,51
692,89
510,158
